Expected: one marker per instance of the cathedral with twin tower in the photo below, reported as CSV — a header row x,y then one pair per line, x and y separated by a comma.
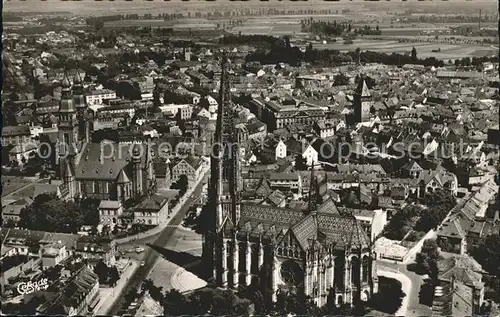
x,y
321,253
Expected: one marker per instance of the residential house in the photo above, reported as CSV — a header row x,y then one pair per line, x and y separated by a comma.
x,y
411,170
257,130
97,97
304,149
190,166
77,297
286,181
16,135
109,212
185,111
325,129
95,249
274,150
53,254
460,289
21,153
153,210
12,210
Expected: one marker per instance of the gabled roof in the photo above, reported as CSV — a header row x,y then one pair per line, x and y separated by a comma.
x,y
461,268
94,166
362,89
452,229
328,207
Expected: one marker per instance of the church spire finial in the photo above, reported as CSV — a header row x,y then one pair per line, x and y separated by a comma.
x,y
65,82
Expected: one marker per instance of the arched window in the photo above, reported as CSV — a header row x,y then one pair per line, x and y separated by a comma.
x,y
366,268
355,271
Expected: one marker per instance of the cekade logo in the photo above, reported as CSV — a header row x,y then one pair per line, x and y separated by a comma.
x,y
30,287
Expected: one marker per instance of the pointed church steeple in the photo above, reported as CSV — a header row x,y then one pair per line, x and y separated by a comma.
x,y
67,125
362,101
223,208
81,108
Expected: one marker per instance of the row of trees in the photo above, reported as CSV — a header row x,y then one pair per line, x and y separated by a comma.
x,y
280,52
249,300
367,30
254,40
336,29
394,59
475,61
325,27
472,18
414,217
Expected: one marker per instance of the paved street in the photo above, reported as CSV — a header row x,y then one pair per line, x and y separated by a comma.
x,y
414,307
108,295
149,256
170,275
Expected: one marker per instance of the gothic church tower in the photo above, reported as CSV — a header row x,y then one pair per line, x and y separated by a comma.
x,y
67,136
362,102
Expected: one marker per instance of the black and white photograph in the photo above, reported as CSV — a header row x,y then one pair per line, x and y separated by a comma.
x,y
250,158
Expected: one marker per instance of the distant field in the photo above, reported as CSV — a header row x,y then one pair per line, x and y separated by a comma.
x,y
448,51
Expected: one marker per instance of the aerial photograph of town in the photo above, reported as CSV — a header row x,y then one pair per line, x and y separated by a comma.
x,y
250,158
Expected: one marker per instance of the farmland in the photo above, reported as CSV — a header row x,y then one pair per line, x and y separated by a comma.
x,y
447,51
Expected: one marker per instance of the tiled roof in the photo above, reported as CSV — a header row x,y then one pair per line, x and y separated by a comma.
x,y
109,204
342,230
452,229
461,268
452,300
94,166
15,130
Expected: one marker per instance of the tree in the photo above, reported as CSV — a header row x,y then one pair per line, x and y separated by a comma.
x,y
175,304
341,80
427,259
358,54
414,54
102,271
114,276
300,163
389,297
90,209
181,185
487,253
201,301
49,213
440,203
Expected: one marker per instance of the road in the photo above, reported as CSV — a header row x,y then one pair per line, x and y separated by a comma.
x,y
414,307
150,257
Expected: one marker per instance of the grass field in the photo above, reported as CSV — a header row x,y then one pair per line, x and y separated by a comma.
x,y
12,183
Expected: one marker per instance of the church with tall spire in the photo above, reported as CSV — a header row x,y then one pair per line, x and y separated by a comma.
x,y
319,252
